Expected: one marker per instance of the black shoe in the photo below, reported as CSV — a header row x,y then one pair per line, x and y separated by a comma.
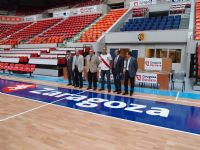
x,y
115,91
89,88
94,89
109,90
69,84
119,92
131,94
101,89
125,93
80,87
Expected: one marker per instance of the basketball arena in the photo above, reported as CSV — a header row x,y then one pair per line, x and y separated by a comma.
x,y
100,75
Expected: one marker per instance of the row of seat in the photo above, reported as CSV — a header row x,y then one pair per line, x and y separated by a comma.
x,y
4,27
14,29
52,39
153,23
197,21
24,68
94,32
66,29
34,29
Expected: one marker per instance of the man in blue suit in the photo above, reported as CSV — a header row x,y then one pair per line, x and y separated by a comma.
x,y
130,71
117,70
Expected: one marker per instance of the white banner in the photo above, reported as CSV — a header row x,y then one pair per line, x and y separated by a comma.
x,y
154,64
61,14
142,2
30,18
79,11
87,10
146,78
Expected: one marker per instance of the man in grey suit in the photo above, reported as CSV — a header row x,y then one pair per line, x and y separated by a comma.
x,y
77,67
69,61
117,70
92,63
130,71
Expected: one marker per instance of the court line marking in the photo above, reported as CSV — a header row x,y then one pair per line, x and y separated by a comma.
x,y
177,95
36,108
102,115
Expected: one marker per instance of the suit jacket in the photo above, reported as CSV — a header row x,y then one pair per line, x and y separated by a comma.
x,y
80,63
93,64
119,65
69,62
133,66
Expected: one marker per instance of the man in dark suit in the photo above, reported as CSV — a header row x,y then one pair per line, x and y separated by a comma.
x,y
130,71
117,70
70,73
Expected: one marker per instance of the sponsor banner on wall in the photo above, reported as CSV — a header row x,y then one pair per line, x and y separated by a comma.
x,y
142,2
61,14
30,18
10,19
79,11
86,10
146,77
153,64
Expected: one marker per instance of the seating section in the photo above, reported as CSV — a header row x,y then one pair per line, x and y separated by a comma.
x,y
66,29
197,22
14,29
5,27
24,68
101,26
152,23
34,29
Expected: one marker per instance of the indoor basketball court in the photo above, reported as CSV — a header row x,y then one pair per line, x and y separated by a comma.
x,y
37,116
100,75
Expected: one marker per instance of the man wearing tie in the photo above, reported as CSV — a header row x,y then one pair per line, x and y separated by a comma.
x,y
92,63
117,70
70,74
130,70
77,67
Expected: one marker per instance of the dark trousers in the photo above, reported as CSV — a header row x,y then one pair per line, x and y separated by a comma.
x,y
92,79
107,74
78,80
70,75
117,81
132,82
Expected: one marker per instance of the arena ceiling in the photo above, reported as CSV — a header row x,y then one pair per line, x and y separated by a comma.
x,y
32,3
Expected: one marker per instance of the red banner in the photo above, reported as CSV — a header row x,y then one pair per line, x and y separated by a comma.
x,y
10,19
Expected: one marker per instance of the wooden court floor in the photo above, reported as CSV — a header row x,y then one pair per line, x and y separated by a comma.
x,y
52,127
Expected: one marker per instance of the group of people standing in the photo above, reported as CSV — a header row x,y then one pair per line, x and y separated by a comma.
x,y
122,68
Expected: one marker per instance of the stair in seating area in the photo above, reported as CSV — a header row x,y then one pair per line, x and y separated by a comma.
x,y
75,38
96,30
